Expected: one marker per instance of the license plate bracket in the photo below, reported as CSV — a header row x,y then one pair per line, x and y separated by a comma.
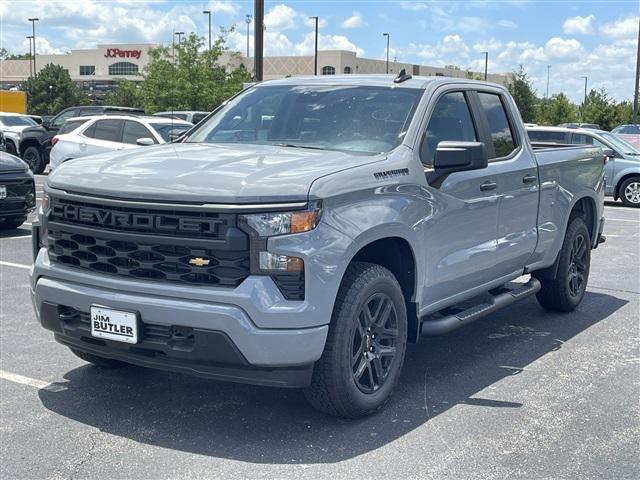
x,y
111,324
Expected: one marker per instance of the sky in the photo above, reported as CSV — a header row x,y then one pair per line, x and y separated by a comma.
x,y
578,38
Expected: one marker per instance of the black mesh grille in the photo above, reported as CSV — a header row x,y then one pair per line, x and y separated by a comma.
x,y
20,194
77,239
291,285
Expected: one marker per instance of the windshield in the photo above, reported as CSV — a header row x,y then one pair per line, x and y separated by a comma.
x,y
168,130
353,118
10,121
627,129
619,144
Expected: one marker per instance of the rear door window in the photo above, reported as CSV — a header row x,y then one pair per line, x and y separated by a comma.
x,y
547,136
502,135
109,130
450,121
135,130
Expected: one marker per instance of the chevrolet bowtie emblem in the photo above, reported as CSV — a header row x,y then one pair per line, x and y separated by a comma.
x,y
199,262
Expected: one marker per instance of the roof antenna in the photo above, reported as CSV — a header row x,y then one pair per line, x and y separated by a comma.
x,y
403,76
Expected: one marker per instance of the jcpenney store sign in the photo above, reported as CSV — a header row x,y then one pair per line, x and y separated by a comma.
x,y
116,52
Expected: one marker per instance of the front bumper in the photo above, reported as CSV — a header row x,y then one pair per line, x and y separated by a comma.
x,y
224,339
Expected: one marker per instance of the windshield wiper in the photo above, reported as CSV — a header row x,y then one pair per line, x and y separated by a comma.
x,y
293,145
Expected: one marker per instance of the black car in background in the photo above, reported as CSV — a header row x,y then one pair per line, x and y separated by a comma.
x,y
36,141
17,191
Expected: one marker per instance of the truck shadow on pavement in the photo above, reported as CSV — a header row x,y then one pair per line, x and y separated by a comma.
x,y
267,425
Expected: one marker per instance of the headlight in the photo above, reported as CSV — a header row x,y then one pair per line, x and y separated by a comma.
x,y
282,223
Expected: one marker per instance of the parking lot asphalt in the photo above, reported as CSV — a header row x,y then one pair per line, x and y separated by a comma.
x,y
521,394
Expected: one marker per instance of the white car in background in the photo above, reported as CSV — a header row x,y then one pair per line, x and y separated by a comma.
x,y
12,125
105,133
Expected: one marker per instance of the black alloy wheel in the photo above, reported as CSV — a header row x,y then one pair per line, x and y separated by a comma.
x,y
374,343
577,265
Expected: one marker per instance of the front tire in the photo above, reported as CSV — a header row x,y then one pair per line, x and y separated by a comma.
x,y
565,292
366,345
97,361
630,192
33,157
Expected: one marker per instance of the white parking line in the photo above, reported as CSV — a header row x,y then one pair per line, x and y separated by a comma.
x,y
32,382
16,265
621,220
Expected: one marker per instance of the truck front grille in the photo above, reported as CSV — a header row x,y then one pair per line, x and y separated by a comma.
x,y
150,247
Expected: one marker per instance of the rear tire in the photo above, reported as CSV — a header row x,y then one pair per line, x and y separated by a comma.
x,y
630,192
97,361
366,345
11,148
12,223
565,292
33,157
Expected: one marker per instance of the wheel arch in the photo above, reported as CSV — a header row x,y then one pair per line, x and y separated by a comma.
x,y
396,254
30,142
585,208
621,180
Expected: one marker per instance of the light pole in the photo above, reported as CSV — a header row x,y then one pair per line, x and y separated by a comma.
x,y
208,12
33,21
179,34
258,39
486,64
315,57
585,91
29,37
548,69
247,20
635,93
388,36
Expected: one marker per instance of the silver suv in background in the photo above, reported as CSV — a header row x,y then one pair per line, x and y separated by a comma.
x,y
622,170
192,116
12,125
104,133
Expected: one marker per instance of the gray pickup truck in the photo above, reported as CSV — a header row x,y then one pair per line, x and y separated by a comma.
x,y
309,229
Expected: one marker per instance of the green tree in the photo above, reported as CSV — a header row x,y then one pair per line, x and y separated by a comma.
x,y
624,112
599,109
126,94
524,95
52,90
558,109
5,55
186,78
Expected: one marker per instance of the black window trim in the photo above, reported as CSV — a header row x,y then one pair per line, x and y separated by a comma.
x,y
465,92
515,134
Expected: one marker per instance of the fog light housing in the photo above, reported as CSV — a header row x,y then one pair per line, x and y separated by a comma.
x,y
273,262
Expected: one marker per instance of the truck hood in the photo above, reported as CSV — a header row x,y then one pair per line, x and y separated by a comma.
x,y
10,163
204,173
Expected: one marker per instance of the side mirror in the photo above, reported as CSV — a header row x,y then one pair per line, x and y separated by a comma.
x,y
608,152
46,123
145,141
460,156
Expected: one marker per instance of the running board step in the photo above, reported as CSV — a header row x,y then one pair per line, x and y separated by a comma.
x,y
448,323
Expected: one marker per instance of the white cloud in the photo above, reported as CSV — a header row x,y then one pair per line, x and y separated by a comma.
x,y
579,25
507,24
280,17
227,8
354,21
414,6
454,43
326,42
559,48
43,47
624,27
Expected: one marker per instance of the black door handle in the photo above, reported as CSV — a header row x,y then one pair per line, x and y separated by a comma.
x,y
529,178
488,185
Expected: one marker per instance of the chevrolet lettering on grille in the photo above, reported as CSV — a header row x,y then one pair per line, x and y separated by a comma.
x,y
143,221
